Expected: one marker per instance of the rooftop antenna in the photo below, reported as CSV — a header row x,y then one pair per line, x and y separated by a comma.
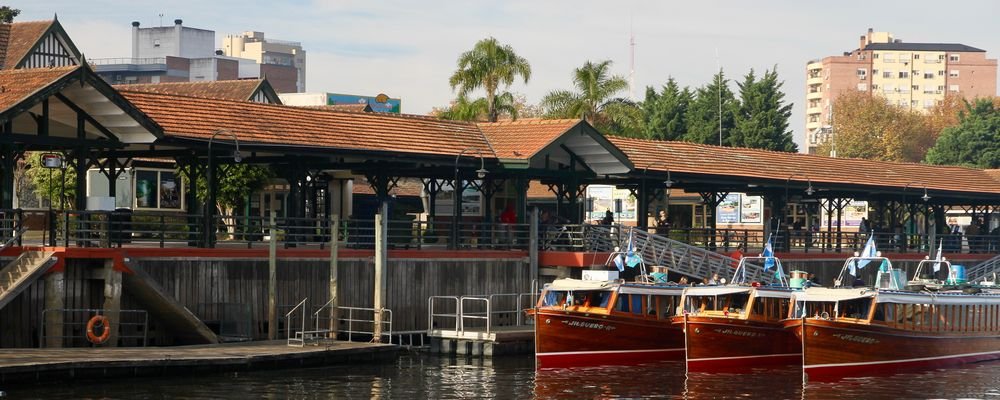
x,y
161,19
631,62
718,66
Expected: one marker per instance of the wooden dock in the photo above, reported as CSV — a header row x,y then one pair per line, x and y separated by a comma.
x,y
49,365
477,342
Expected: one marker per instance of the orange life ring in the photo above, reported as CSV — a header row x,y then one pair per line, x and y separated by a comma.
x,y
96,321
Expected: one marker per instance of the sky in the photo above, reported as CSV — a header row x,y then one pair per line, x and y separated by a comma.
x,y
409,49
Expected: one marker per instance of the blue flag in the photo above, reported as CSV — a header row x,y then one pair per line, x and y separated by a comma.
x,y
619,263
631,258
868,252
768,254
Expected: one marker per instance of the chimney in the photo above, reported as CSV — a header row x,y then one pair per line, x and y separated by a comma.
x,y
135,39
178,26
863,42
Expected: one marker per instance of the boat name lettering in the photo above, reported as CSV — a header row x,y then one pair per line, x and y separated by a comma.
x,y
589,325
738,333
855,338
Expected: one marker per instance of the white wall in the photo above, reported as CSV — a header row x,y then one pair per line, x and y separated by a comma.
x,y
303,99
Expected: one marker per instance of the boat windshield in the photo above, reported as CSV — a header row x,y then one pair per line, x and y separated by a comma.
x,y
721,303
587,298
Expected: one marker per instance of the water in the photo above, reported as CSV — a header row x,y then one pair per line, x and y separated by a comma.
x,y
416,376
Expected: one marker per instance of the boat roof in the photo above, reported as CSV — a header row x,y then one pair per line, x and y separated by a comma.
x,y
831,295
724,290
640,288
577,284
937,298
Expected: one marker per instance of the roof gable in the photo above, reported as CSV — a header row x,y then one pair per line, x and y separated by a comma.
x,y
536,142
38,44
256,90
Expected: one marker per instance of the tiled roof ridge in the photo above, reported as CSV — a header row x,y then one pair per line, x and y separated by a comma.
x,y
34,21
285,106
532,121
226,81
40,70
796,154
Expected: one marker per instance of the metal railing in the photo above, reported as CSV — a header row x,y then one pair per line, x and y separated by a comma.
x,y
473,315
480,311
130,324
433,315
291,337
359,325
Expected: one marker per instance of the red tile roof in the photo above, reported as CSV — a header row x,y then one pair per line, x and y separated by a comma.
x,y
198,118
343,107
19,84
239,90
683,157
523,138
21,39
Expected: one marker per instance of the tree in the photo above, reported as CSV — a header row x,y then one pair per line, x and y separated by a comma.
x,y
238,181
462,109
664,113
703,113
49,183
974,142
868,127
594,101
762,121
8,14
489,65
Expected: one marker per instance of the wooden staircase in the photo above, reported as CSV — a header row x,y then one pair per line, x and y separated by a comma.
x,y
21,272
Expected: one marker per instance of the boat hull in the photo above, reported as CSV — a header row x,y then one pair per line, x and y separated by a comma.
x,y
714,343
566,339
835,349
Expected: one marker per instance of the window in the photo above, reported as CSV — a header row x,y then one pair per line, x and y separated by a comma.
x,y
903,102
953,57
915,87
887,74
875,55
928,75
940,88
928,103
915,103
158,189
904,74
862,87
941,72
953,73
862,72
952,88
889,57
916,56
888,88
903,89
156,43
874,87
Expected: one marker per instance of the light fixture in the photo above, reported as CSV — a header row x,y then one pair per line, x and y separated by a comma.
x,y
926,196
810,190
237,156
481,173
669,182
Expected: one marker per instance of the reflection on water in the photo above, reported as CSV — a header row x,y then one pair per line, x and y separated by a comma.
x,y
415,376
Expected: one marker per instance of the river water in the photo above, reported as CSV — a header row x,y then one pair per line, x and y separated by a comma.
x,y
418,376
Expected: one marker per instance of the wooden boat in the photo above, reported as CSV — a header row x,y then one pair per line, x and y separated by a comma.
x,y
851,331
738,325
606,322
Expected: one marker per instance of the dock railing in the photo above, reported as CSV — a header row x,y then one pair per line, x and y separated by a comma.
x,y
479,313
292,337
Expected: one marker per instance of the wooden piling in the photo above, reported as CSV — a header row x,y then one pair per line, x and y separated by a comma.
x,y
112,301
381,259
334,245
272,282
55,302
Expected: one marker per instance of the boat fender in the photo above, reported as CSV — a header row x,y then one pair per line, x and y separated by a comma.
x,y
96,322
971,290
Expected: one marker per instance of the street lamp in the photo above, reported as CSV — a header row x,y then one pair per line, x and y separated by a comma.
x,y
666,184
209,177
457,189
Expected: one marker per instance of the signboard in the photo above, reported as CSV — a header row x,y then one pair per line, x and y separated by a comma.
x,y
852,214
52,160
472,202
378,103
751,209
605,197
728,211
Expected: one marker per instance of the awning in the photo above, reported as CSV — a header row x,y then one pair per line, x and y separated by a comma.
x,y
956,298
832,295
576,284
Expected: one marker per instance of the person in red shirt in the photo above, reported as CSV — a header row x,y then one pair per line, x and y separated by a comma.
x,y
507,220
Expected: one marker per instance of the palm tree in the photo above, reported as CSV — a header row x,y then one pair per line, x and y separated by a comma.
x,y
476,110
488,65
594,100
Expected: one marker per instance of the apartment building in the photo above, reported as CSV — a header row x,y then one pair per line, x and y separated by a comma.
x,y
279,60
911,75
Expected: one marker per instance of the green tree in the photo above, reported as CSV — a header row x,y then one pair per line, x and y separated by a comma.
x,y
235,183
488,66
703,113
476,110
868,127
8,14
974,142
594,101
49,183
762,121
664,113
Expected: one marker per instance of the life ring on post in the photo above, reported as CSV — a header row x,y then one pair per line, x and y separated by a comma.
x,y
98,321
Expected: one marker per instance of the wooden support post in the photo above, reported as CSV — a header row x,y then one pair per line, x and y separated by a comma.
x,y
381,258
272,282
533,243
334,245
112,300
55,302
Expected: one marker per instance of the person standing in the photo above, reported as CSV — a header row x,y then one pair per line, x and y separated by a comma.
x,y
507,220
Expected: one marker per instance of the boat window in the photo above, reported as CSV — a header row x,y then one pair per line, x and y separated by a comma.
x,y
554,298
880,312
636,304
600,299
667,306
854,308
622,303
814,309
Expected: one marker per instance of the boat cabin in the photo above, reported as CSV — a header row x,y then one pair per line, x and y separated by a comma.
x,y
738,302
649,301
839,304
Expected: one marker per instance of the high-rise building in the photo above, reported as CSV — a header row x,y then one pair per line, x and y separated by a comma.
x,y
180,53
915,76
279,60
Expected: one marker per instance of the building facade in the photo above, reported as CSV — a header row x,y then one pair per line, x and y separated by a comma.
x,y
183,54
282,61
914,76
